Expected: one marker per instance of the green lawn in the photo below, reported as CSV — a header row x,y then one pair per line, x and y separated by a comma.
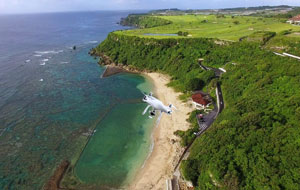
x,y
222,28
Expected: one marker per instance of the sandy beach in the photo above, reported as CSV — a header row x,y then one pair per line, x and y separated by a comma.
x,y
160,164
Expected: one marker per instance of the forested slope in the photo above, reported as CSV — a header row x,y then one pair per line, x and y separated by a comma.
x,y
254,144
255,141
144,21
176,57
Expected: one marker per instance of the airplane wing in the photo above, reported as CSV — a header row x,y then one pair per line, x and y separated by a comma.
x,y
146,109
159,117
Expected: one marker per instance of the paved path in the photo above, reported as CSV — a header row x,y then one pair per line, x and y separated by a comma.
x,y
204,124
208,119
287,54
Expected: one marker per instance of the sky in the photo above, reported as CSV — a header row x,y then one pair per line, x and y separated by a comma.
x,y
33,6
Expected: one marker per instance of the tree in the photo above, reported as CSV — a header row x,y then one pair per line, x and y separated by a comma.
x,y
236,22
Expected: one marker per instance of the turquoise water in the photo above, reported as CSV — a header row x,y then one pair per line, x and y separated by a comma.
x,y
117,149
51,97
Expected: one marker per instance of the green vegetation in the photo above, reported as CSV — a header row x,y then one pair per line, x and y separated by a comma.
x,y
180,33
176,57
188,136
260,36
290,14
254,142
212,26
261,10
144,21
288,42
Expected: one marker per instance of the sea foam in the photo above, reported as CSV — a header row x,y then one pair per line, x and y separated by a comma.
x,y
48,52
92,41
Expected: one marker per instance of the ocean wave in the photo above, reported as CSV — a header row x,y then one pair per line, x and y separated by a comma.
x,y
41,80
37,55
43,63
48,52
92,42
45,60
151,148
27,61
64,62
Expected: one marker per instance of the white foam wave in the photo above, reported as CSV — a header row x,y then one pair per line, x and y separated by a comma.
x,y
64,62
41,80
48,52
151,148
45,60
43,63
27,61
92,41
37,55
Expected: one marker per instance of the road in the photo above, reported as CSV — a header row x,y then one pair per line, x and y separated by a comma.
x,y
209,118
204,124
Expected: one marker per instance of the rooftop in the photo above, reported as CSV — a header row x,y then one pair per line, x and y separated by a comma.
x,y
295,18
200,98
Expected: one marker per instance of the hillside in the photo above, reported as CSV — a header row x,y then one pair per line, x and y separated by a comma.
x,y
225,27
254,142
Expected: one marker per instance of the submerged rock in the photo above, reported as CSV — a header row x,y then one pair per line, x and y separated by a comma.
x,y
54,181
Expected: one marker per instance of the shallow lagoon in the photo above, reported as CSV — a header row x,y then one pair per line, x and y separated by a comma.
x,y
118,148
52,96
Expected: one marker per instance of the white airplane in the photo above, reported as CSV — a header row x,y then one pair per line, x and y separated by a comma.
x,y
156,105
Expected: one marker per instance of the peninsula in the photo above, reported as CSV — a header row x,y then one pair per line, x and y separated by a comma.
x,y
253,143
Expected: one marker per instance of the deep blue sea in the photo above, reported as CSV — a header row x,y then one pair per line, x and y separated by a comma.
x,y
54,106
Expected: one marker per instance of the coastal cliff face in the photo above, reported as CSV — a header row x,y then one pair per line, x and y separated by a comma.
x,y
175,57
256,135
143,21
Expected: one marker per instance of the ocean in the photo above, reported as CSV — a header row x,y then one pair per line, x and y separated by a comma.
x,y
54,106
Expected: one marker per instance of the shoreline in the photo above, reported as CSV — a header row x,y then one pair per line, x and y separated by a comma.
x,y
160,163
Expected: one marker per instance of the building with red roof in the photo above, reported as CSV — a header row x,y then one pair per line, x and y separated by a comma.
x,y
201,100
294,20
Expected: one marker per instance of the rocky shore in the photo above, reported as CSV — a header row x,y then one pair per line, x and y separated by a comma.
x,y
54,182
113,68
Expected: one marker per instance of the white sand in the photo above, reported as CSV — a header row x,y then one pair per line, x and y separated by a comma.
x,y
161,163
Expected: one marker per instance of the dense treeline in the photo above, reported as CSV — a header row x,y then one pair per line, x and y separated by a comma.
x,y
143,21
290,14
295,11
282,43
254,143
176,57
260,36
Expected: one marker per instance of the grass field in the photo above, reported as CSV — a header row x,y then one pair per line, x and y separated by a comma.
x,y
227,28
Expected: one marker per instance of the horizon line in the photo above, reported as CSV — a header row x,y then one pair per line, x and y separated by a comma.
x,y
141,9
